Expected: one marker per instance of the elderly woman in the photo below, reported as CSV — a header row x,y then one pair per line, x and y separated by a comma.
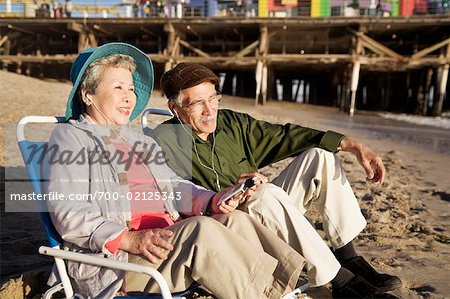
x,y
121,201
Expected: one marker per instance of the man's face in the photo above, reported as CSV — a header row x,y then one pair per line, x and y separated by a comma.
x,y
197,106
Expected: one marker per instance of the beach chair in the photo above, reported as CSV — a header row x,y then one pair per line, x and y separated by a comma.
x,y
144,117
55,240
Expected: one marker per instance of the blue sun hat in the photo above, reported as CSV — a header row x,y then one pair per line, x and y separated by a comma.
x,y
142,77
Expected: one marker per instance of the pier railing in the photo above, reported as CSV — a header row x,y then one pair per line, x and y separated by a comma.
x,y
224,8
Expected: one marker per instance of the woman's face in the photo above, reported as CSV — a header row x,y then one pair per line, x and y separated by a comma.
x,y
115,98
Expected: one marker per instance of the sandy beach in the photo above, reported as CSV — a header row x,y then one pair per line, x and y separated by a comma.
x,y
408,232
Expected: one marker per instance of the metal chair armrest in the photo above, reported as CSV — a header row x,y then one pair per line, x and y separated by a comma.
x,y
98,261
153,111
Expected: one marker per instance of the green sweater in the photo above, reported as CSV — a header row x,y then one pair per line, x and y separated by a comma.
x,y
242,144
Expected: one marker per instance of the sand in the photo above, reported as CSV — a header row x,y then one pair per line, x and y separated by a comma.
x,y
408,231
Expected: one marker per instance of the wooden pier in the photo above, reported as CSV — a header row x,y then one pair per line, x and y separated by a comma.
x,y
399,64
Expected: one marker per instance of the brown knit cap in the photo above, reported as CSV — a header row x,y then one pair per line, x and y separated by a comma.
x,y
186,75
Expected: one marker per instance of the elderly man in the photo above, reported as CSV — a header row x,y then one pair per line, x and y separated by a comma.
x,y
229,147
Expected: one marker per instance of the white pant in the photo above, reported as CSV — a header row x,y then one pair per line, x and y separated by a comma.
x,y
314,177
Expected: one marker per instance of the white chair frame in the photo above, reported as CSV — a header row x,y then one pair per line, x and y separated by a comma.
x,y
59,254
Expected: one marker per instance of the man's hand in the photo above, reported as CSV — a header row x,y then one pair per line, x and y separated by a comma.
x,y
247,175
149,243
371,162
225,207
234,202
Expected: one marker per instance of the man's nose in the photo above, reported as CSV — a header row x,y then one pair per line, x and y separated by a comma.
x,y
208,108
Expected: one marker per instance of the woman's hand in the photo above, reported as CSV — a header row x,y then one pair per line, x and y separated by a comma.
x,y
150,243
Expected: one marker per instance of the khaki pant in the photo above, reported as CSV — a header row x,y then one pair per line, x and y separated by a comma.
x,y
314,177
231,256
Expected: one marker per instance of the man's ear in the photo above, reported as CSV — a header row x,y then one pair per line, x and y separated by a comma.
x,y
171,105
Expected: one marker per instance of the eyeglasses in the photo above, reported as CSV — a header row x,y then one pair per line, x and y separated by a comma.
x,y
198,105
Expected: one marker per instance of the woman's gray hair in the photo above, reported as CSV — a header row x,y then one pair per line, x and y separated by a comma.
x,y
94,73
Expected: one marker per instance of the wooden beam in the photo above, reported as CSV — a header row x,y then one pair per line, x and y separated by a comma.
x,y
442,87
258,78
3,40
247,49
368,63
443,79
430,61
342,89
171,42
170,30
306,58
168,51
82,41
220,62
428,50
13,27
264,83
105,31
92,39
264,41
148,31
193,49
77,27
372,48
426,92
376,45
176,47
38,59
7,48
261,66
251,47
381,47
355,74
